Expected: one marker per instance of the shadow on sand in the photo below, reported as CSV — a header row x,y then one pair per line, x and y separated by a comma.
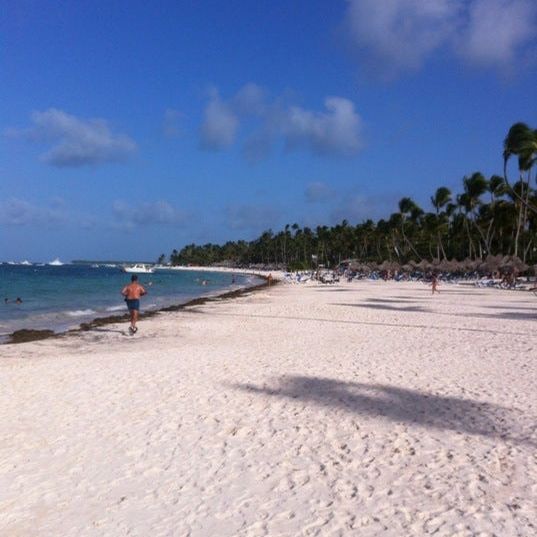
x,y
375,323
503,315
401,405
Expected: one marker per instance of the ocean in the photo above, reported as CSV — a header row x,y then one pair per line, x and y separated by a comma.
x,y
61,297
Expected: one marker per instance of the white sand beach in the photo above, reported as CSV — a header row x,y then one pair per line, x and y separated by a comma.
x,y
369,408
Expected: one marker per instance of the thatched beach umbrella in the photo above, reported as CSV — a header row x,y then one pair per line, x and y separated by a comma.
x,y
423,265
514,264
470,264
445,266
491,264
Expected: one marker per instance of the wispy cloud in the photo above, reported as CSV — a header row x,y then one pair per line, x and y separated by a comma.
x,y
18,212
336,130
353,208
356,207
75,142
396,36
250,100
128,216
252,217
499,33
171,124
220,124
318,192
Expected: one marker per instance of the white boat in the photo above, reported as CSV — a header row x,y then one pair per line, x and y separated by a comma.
x,y
26,263
55,263
138,268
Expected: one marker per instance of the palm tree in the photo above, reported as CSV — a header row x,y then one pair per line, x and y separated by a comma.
x,y
409,210
496,187
474,187
521,141
441,198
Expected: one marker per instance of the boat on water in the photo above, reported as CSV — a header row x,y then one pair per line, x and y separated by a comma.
x,y
26,263
55,263
138,268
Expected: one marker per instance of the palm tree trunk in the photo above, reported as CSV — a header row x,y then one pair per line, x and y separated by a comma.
x,y
518,227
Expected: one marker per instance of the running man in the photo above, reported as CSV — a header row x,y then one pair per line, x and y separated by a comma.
x,y
132,293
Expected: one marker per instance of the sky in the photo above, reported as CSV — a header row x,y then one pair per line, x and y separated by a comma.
x,y
130,128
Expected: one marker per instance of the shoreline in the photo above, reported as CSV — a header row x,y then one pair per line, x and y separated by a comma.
x,y
26,335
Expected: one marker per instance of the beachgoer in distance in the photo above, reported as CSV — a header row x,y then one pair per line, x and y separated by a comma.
x,y
434,283
18,300
269,279
132,293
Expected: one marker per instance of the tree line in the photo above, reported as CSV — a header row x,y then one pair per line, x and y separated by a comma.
x,y
488,216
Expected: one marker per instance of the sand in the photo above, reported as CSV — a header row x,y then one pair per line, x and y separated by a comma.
x,y
365,409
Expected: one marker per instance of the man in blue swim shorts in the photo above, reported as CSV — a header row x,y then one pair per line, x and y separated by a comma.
x,y
132,293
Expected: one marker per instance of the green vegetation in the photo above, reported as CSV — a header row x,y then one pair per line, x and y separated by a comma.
x,y
493,216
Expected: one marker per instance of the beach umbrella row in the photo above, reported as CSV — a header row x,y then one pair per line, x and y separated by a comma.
x,y
490,265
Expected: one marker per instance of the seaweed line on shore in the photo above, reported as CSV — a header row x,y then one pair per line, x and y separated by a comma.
x,y
26,335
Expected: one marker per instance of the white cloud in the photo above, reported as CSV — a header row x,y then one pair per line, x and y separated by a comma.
x,y
399,35
250,100
318,192
335,131
396,36
17,212
76,142
148,213
497,30
220,124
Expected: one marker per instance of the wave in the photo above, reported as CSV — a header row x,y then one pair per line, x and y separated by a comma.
x,y
115,308
80,313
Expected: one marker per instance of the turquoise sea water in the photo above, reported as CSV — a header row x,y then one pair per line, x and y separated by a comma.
x,y
62,297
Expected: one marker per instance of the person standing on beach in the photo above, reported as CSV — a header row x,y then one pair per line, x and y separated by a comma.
x,y
434,283
132,293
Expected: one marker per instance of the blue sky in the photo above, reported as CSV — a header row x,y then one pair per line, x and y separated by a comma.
x,y
128,129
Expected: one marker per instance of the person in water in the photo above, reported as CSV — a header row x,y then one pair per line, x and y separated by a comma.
x,y
132,293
